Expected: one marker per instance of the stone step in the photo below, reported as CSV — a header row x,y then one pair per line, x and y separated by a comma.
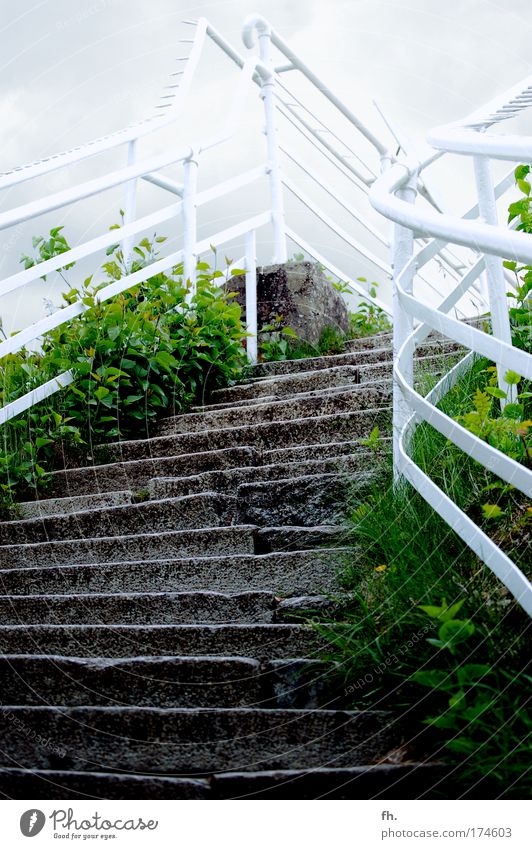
x,y
294,538
123,549
157,682
136,474
163,608
164,682
340,400
325,395
58,784
208,509
317,383
336,427
378,781
228,481
355,357
72,504
192,741
264,641
286,385
285,573
305,501
299,453
433,365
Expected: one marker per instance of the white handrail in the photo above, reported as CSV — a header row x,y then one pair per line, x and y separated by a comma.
x,y
410,408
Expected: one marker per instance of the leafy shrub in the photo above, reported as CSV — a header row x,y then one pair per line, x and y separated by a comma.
x,y
145,353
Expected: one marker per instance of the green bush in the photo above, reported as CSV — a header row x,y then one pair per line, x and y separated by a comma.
x,y
145,353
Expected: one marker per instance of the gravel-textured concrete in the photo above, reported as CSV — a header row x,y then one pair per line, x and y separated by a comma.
x,y
194,543
138,608
286,385
143,632
258,641
310,500
287,573
336,427
72,504
164,682
68,784
135,474
207,509
190,741
321,403
228,481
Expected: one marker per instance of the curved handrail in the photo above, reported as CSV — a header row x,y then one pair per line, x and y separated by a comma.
x,y
468,137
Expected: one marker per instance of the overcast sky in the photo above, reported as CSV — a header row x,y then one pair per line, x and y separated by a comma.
x,y
72,70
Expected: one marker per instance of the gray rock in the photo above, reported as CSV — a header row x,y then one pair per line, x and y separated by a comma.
x,y
301,294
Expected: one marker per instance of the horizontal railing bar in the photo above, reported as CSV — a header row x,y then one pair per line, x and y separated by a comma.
x,y
44,325
232,184
105,143
491,458
333,159
323,89
485,237
234,232
39,328
21,278
341,275
327,129
34,396
453,297
484,547
342,234
282,106
89,188
338,198
164,183
116,178
489,346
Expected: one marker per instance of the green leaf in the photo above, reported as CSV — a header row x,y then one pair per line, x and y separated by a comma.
x,y
492,511
512,377
521,172
495,392
433,678
288,331
514,411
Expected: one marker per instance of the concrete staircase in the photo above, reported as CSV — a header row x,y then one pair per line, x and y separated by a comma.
x,y
150,639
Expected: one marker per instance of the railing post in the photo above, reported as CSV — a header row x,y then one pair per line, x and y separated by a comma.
x,y
270,129
130,205
251,296
403,323
190,184
500,319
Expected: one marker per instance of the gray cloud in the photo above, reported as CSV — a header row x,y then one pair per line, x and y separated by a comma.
x,y
73,70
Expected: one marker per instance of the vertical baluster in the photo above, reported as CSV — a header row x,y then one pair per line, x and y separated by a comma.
x,y
270,115
190,183
251,296
500,320
130,205
403,325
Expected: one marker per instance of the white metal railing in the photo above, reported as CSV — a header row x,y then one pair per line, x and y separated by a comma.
x,y
425,235
394,195
252,72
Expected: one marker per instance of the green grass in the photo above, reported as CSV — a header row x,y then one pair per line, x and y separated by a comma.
x,y
403,556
